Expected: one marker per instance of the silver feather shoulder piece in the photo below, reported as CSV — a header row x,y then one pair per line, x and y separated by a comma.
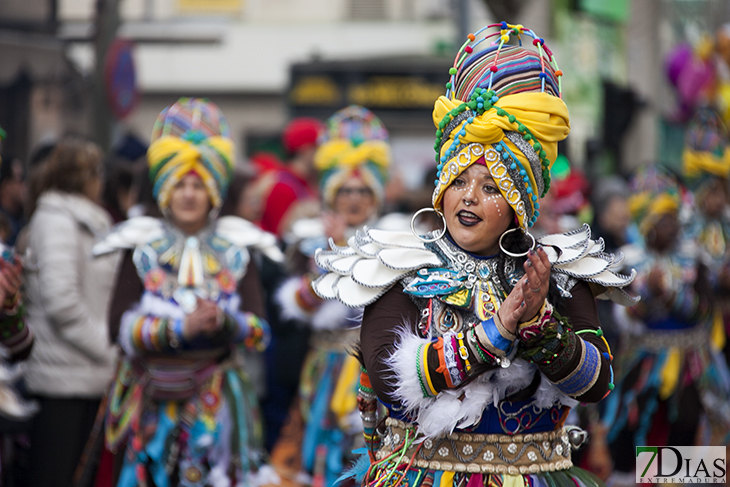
x,y
130,234
142,230
576,256
373,260
243,233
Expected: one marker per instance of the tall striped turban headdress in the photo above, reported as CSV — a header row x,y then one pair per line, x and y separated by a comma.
x,y
502,108
354,142
655,192
191,135
706,152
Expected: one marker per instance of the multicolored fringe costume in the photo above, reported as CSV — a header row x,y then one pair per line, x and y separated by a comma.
x,y
182,411
456,369
671,371
706,166
15,336
706,171
468,402
17,339
353,146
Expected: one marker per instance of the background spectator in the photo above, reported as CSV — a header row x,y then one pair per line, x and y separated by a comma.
x,y
67,297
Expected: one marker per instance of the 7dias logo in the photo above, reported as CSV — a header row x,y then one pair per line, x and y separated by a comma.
x,y
680,464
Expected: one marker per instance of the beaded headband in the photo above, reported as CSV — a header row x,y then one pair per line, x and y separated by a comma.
x,y
502,106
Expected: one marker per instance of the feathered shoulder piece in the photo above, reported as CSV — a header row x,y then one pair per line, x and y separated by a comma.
x,y
130,234
243,233
143,230
373,260
575,255
369,265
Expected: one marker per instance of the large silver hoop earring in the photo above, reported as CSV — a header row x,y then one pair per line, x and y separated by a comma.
x,y
421,237
511,254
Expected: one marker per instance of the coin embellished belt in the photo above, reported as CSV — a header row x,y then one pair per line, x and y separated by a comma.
x,y
478,453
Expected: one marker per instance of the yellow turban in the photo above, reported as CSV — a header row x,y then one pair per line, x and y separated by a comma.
x,y
190,135
525,126
171,158
355,143
706,149
655,193
502,106
698,163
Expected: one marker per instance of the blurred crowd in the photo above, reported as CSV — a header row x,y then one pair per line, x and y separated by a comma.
x,y
96,246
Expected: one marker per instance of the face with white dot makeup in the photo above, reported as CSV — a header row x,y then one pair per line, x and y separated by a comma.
x,y
476,212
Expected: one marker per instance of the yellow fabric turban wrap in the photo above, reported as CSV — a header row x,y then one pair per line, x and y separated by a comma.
x,y
339,159
190,135
654,194
706,154
648,209
171,158
696,163
343,153
529,125
355,142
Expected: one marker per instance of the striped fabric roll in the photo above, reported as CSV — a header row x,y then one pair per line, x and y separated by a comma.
x,y
354,123
189,114
519,72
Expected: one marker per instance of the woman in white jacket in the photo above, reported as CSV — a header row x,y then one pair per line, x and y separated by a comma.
x,y
67,293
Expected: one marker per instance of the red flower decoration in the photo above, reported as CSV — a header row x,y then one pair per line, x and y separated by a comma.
x,y
154,279
226,282
210,400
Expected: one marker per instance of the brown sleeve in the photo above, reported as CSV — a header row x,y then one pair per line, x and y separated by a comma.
x,y
127,292
378,336
581,312
251,291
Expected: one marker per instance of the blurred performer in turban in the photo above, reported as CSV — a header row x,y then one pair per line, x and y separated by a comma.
x,y
706,168
669,375
353,160
181,410
476,339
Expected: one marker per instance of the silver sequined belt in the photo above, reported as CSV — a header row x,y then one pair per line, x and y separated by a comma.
x,y
656,341
479,453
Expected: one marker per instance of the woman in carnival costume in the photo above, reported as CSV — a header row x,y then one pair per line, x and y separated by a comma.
x,y
353,159
182,411
706,168
476,339
669,375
